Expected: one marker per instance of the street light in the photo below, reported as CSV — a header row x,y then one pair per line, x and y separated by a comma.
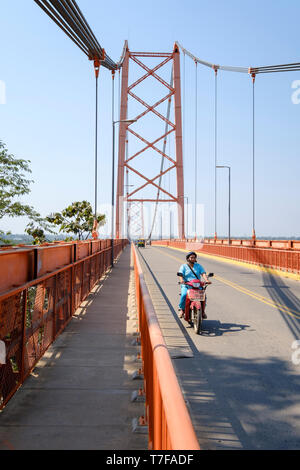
x,y
128,122
127,209
187,215
229,197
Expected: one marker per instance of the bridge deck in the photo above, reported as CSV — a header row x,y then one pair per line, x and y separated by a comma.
x,y
240,377
79,394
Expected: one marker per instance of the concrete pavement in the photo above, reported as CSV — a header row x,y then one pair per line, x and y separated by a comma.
x,y
79,394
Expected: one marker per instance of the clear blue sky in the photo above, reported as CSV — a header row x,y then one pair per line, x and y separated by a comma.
x,y
48,117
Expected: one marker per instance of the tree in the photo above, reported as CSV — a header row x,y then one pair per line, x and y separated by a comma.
x,y
38,232
14,184
78,218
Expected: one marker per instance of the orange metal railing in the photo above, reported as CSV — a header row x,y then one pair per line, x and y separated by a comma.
x,y
281,255
167,417
40,289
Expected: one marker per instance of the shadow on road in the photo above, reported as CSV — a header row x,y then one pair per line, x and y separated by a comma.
x,y
281,294
237,402
210,327
216,328
240,403
253,404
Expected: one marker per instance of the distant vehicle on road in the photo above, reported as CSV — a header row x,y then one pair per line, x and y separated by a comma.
x,y
141,243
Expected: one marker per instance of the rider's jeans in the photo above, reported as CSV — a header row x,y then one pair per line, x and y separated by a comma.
x,y
184,290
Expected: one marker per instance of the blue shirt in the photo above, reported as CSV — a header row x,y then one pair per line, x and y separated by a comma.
x,y
188,273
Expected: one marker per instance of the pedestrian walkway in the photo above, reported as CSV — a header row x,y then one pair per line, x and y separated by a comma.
x,y
79,395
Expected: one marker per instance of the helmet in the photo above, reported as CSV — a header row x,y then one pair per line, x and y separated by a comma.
x,y
189,254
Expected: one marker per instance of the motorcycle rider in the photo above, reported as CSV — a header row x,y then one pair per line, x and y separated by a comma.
x,y
187,271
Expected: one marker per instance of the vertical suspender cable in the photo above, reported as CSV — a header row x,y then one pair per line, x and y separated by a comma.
x,y
216,139
119,92
126,159
183,107
184,137
113,167
96,147
253,155
169,143
97,68
128,205
113,146
196,149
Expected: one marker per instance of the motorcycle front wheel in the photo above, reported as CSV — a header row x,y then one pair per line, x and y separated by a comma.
x,y
197,314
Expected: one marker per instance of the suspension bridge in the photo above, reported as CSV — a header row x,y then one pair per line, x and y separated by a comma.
x,y
93,352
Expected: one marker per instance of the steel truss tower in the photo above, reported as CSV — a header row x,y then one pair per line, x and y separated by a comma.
x,y
135,220
125,161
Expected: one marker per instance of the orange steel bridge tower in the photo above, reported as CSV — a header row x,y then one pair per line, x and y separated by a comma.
x,y
125,161
135,219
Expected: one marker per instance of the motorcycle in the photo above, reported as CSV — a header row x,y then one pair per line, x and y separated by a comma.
x,y
195,302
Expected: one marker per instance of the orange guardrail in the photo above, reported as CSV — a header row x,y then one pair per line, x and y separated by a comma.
x,y
259,252
169,423
40,289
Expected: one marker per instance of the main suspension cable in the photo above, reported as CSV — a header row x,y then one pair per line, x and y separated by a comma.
x,y
62,25
68,16
250,70
210,64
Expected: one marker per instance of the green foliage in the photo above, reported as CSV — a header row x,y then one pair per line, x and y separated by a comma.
x,y
5,241
13,184
37,229
78,219
37,233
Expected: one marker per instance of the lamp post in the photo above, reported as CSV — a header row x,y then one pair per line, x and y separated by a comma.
x,y
128,122
127,208
187,214
229,196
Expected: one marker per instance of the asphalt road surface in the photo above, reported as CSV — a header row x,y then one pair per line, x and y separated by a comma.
x,y
242,384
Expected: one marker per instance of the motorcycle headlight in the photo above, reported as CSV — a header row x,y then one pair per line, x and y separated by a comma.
x,y
196,284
